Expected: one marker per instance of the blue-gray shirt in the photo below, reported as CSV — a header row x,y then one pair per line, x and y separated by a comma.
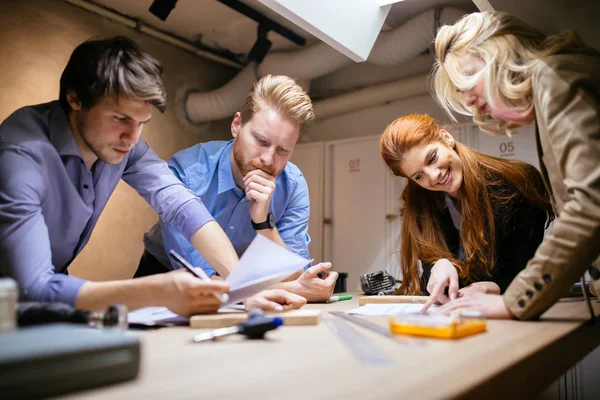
x,y
206,170
50,201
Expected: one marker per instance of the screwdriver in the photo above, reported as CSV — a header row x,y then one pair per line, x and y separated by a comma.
x,y
255,327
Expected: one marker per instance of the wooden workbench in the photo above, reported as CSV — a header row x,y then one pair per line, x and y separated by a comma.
x,y
511,360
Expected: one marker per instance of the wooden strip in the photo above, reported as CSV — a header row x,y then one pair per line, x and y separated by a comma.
x,y
391,299
220,320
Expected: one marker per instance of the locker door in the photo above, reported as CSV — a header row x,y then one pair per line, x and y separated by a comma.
x,y
359,233
309,158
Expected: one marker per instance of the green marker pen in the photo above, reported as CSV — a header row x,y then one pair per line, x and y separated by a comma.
x,y
340,298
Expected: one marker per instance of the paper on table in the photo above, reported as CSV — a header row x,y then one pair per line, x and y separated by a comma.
x,y
387,309
154,316
151,316
263,264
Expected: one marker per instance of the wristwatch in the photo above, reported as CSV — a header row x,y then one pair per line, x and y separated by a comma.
x,y
268,224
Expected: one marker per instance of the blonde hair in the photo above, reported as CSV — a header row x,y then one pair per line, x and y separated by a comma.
x,y
510,50
282,94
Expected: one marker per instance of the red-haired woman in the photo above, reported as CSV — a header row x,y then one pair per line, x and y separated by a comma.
x,y
472,219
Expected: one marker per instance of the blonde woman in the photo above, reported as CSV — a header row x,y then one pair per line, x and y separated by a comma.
x,y
506,74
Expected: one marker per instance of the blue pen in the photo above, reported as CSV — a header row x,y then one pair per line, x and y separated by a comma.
x,y
199,272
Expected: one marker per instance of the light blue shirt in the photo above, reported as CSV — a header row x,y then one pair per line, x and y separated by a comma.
x,y
206,170
50,201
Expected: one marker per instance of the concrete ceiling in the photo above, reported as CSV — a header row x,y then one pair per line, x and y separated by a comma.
x,y
208,22
551,16
217,26
211,24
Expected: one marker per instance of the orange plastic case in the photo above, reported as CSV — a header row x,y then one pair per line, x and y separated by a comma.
x,y
436,326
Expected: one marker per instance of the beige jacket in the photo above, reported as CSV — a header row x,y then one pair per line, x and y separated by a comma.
x,y
566,92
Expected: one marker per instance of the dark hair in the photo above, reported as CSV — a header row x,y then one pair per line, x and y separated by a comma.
x,y
112,67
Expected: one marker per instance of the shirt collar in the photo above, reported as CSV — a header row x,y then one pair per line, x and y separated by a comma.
x,y
454,213
61,135
447,200
225,173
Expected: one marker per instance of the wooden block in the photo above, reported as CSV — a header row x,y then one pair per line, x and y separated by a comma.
x,y
392,299
220,320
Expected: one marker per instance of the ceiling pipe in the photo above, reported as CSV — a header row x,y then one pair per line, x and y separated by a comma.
x,y
413,37
371,96
360,75
393,47
217,104
154,32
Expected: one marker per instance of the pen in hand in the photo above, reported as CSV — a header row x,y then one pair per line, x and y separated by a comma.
x,y
199,272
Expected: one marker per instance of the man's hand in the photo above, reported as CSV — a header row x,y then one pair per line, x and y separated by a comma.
x,y
259,187
443,274
490,305
186,295
313,287
274,300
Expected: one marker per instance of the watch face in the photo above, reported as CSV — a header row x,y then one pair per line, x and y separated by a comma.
x,y
271,220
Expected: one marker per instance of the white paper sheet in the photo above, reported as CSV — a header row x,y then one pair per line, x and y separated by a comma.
x,y
263,264
388,309
264,258
151,316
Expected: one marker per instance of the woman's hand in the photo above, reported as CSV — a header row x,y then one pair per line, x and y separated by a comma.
x,y
479,287
488,305
443,275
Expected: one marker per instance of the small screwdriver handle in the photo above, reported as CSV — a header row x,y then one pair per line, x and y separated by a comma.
x,y
253,328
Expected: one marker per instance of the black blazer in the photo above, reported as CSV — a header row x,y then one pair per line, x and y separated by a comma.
x,y
519,229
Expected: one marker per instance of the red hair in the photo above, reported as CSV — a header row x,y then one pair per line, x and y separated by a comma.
x,y
421,235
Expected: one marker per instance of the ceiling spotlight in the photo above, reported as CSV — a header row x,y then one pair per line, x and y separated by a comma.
x,y
162,8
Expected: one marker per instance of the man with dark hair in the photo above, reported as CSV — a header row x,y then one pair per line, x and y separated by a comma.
x,y
61,161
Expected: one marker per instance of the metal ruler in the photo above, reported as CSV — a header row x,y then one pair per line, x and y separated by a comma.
x,y
361,347
383,331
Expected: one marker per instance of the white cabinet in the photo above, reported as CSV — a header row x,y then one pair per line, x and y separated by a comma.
x,y
358,199
310,159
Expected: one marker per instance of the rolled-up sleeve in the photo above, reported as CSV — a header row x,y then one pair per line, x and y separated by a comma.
x,y
25,251
174,240
155,182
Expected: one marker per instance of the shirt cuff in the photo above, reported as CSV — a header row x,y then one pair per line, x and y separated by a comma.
x,y
192,216
62,289
210,272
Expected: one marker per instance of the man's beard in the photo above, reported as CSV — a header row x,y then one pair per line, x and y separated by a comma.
x,y
246,167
